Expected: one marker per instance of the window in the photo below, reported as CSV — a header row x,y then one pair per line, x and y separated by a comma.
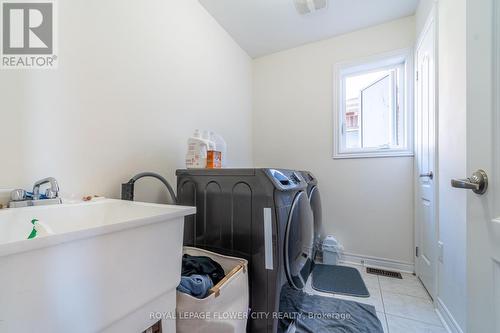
x,y
373,108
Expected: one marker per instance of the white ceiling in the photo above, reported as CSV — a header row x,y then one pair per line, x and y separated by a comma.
x,y
265,26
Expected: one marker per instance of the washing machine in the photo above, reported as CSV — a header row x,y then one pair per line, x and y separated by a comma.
x,y
315,202
261,215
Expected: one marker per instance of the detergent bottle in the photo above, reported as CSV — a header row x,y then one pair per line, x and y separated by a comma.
x,y
196,156
220,147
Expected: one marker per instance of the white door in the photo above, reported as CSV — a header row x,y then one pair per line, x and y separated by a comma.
x,y
483,152
425,114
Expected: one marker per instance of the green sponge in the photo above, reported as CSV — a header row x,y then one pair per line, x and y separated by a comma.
x,y
33,232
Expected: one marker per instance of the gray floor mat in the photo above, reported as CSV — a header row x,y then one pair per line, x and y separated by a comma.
x,y
339,280
303,313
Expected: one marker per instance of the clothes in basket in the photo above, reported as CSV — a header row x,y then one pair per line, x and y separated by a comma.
x,y
195,285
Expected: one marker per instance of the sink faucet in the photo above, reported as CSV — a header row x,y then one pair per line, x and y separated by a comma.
x,y
51,193
20,198
128,188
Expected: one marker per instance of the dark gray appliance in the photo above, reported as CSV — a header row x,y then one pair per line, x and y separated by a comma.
x,y
315,202
262,215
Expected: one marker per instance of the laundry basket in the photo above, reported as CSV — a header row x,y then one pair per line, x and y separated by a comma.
x,y
225,309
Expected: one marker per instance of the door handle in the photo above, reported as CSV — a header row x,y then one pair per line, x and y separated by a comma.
x,y
478,183
429,175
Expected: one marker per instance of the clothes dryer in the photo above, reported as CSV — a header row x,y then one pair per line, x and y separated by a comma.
x,y
315,202
261,215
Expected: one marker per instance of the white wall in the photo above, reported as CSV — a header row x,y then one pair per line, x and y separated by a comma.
x,y
134,80
452,203
367,203
423,10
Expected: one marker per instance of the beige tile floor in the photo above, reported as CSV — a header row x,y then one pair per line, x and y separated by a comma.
x,y
403,306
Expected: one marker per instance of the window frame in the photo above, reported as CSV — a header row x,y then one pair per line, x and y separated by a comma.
x,y
403,58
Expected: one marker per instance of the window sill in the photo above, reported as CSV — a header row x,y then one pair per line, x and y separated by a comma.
x,y
373,154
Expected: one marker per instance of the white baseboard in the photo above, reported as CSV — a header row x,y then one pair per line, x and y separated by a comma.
x,y
381,263
446,317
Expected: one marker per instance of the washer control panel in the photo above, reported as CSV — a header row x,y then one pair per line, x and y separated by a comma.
x,y
286,179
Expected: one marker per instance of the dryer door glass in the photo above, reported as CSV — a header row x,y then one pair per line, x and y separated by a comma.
x,y
299,236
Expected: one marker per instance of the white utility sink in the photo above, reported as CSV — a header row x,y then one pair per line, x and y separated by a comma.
x,y
105,267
